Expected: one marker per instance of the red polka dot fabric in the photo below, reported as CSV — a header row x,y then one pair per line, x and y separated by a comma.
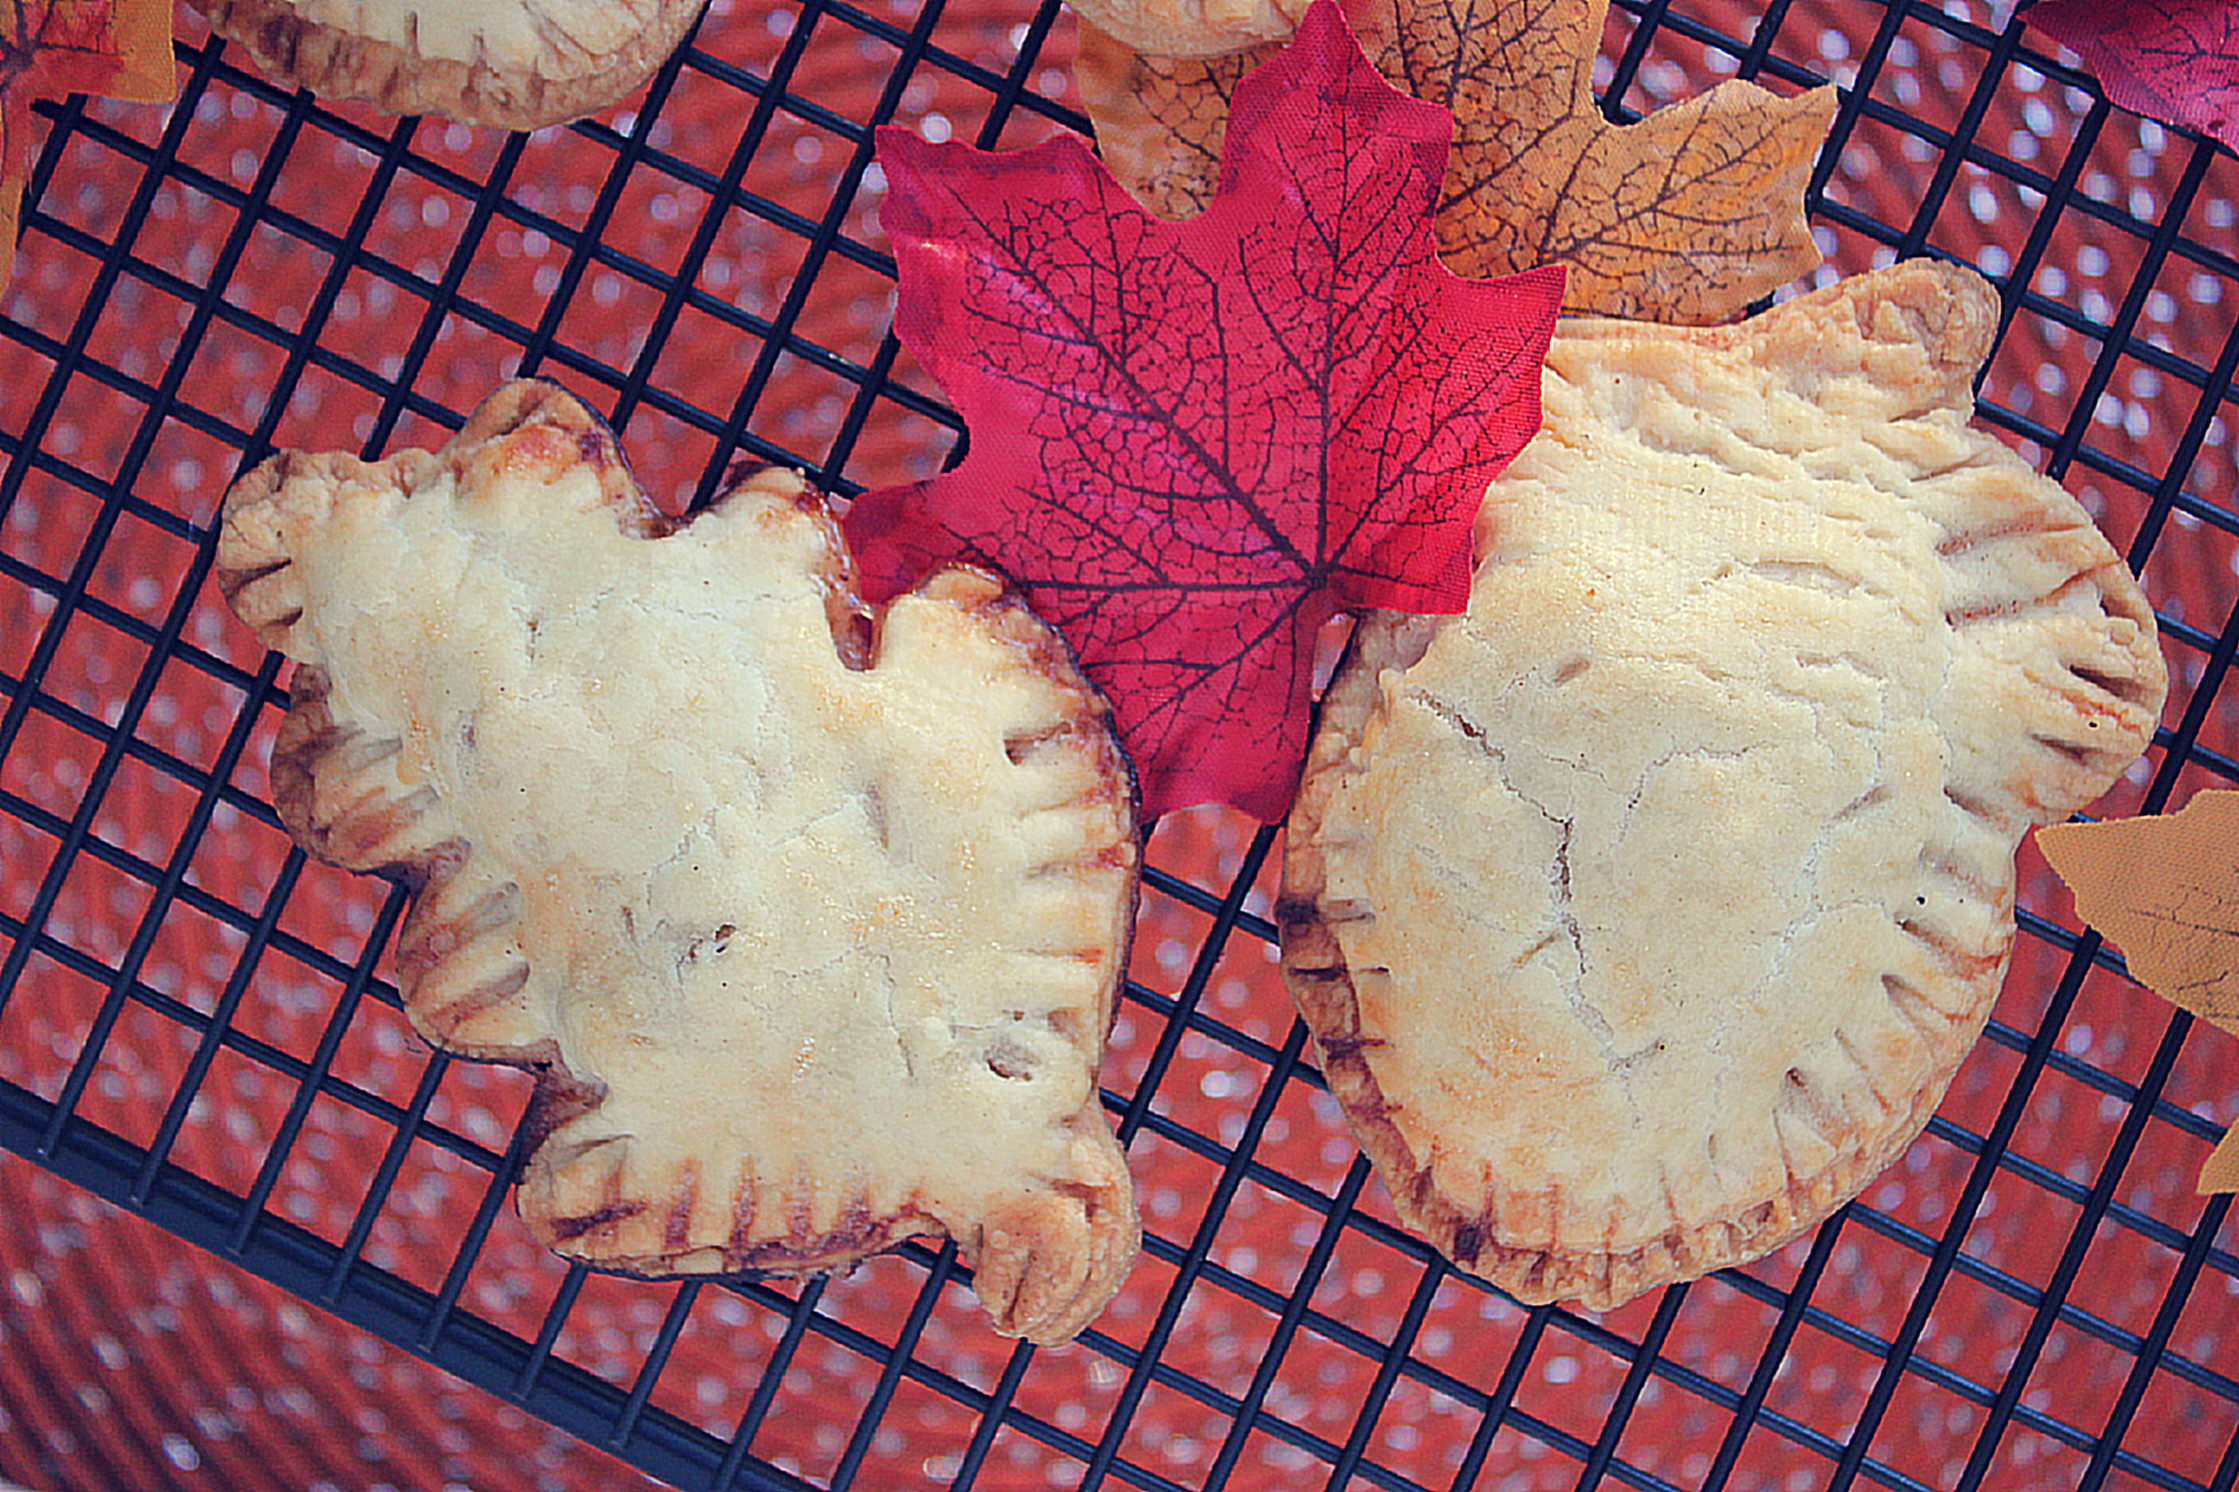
x,y
254,1234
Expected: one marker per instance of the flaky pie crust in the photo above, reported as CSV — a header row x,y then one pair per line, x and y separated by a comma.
x,y
809,917
1643,913
506,64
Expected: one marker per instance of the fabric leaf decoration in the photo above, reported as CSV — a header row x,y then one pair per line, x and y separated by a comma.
x,y
1686,216
2172,60
1193,444
2165,890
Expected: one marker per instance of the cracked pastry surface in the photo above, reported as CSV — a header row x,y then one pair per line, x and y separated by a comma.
x,y
1643,913
510,64
811,918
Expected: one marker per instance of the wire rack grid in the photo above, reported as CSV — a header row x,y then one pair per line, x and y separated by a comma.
x,y
199,1032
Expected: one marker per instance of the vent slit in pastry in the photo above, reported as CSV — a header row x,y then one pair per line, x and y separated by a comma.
x,y
809,955
1805,575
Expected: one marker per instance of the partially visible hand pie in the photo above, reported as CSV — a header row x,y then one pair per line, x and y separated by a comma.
x,y
1192,28
1644,912
810,918
510,64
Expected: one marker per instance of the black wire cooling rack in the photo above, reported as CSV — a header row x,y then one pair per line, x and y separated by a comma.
x,y
199,1034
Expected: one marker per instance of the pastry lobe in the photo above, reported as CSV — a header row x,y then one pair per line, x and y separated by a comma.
x,y
811,918
509,64
1645,911
1192,28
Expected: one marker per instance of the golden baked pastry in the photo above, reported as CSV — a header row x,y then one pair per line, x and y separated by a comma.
x,y
1192,28
810,919
1644,912
510,64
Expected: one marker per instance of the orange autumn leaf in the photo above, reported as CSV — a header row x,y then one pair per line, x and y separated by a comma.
x,y
119,48
2165,890
1686,216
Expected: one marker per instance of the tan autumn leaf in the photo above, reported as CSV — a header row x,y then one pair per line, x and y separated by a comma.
x,y
1159,120
119,48
1686,216
2165,890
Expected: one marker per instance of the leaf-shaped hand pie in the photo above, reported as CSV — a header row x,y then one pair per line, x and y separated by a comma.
x,y
1687,215
809,918
511,64
1644,912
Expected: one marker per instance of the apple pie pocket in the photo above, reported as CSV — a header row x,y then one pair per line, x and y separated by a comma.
x,y
809,917
1643,913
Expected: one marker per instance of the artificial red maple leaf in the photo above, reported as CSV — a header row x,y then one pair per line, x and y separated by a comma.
x,y
2172,60
1194,443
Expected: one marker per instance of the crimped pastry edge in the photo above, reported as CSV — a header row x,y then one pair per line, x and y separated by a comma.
x,y
337,63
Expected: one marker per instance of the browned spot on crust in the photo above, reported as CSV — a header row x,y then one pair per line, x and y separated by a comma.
x,y
568,1229
676,1231
1966,965
1967,616
858,1233
560,1098
231,582
482,997
1019,749
535,453
744,1205
278,37
2022,525
424,944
